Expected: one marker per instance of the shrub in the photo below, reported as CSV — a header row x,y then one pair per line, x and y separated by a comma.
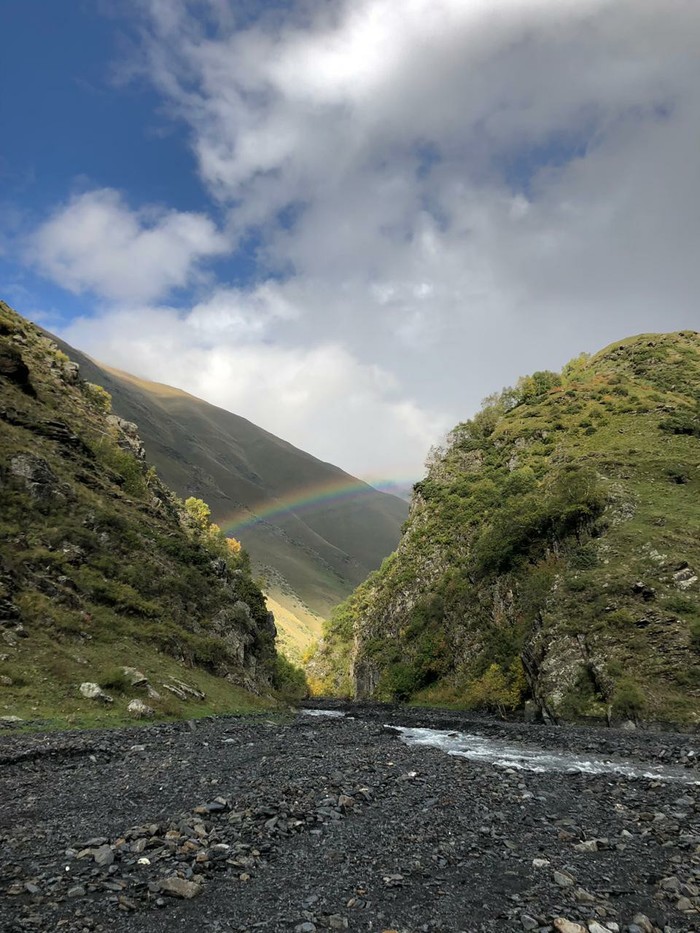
x,y
99,397
498,690
628,699
289,680
116,681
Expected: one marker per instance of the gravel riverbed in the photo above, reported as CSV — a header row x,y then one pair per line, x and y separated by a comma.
x,y
313,822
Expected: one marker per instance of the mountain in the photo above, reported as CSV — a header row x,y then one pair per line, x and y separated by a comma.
x,y
320,531
552,553
107,579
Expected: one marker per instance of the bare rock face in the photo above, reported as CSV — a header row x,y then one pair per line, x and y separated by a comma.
x,y
129,439
14,369
37,476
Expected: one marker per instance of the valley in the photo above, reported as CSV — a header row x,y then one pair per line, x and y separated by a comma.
x,y
314,822
313,531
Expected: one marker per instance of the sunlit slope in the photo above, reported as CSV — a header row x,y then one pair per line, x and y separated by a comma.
x,y
552,554
321,548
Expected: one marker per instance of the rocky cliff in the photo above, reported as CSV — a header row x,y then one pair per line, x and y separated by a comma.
x,y
552,553
101,566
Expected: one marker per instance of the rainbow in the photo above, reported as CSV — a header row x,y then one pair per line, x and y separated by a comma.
x,y
302,499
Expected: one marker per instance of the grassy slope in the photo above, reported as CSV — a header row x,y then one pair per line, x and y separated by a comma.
x,y
527,540
98,568
297,626
202,450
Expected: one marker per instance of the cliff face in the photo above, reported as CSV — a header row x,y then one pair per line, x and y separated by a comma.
x,y
552,552
101,566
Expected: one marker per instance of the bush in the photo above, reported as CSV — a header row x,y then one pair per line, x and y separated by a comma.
x,y
498,690
99,397
116,681
629,698
289,680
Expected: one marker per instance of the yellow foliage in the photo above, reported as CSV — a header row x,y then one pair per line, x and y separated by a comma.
x,y
234,545
498,689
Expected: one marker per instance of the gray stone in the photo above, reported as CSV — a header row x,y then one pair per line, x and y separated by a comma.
x,y
93,691
528,922
103,856
37,476
135,678
140,710
562,925
563,879
179,887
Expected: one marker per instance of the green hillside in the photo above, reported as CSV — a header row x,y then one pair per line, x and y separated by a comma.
x,y
552,552
309,555
103,568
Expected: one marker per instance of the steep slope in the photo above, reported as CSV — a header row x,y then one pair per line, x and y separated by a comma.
x,y
552,552
101,566
321,530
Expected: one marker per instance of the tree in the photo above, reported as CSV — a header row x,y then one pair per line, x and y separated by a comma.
x,y
199,513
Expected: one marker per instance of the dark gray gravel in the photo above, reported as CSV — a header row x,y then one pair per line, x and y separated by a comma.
x,y
313,824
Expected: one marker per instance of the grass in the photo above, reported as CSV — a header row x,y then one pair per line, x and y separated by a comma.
x,y
530,532
47,677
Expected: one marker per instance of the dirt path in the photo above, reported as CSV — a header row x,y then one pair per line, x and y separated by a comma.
x,y
334,823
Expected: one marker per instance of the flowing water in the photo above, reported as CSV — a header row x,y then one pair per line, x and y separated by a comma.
x,y
505,754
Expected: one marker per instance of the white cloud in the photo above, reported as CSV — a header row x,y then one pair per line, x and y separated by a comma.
x,y
96,243
320,398
459,192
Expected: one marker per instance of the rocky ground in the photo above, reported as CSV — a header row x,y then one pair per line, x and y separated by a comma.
x,y
310,823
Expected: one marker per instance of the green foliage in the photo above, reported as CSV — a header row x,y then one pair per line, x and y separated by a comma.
x,y
529,532
132,471
288,680
498,690
116,681
629,698
98,397
100,564
199,513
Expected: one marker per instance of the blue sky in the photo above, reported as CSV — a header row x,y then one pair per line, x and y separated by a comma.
x,y
350,221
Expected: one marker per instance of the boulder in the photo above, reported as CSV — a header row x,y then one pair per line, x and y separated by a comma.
x,y
135,678
93,691
568,926
140,710
179,887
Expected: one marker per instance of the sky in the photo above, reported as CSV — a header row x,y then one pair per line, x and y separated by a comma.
x,y
350,220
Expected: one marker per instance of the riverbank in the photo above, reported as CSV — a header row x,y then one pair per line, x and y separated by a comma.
x,y
313,823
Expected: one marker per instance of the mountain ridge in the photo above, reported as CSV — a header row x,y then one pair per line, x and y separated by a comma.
x,y
309,556
102,567
552,552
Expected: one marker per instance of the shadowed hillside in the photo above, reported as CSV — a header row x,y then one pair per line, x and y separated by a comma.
x,y
313,554
112,590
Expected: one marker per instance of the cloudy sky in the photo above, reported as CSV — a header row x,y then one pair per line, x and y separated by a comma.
x,y
350,220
